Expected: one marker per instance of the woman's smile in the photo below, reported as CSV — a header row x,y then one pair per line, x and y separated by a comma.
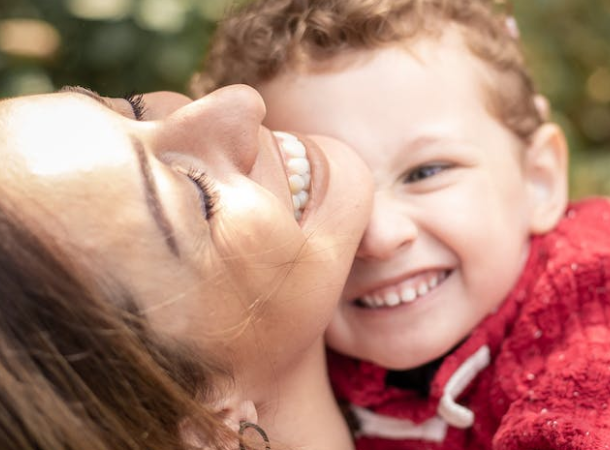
x,y
298,170
205,197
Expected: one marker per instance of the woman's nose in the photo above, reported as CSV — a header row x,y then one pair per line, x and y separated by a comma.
x,y
159,105
224,124
389,230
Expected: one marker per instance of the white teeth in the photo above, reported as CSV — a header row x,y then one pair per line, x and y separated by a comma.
x,y
408,294
300,200
285,136
297,184
306,180
378,300
368,301
291,145
298,170
298,166
392,299
303,197
422,289
296,203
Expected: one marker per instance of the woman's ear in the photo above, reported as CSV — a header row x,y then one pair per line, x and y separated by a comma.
x,y
232,411
546,160
236,412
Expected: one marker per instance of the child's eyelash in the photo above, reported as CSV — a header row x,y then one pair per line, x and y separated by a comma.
x,y
137,104
206,189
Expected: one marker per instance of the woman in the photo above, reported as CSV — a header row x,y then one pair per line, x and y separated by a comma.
x,y
157,275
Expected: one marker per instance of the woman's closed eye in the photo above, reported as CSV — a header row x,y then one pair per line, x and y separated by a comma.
x,y
424,172
136,101
205,187
137,106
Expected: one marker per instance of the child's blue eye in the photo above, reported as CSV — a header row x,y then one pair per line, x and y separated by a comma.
x,y
423,172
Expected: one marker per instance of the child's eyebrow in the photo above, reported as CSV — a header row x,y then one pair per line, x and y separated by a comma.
x,y
429,140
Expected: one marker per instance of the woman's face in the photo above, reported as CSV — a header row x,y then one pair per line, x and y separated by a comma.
x,y
191,209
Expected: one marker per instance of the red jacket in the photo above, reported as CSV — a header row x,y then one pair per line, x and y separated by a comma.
x,y
533,375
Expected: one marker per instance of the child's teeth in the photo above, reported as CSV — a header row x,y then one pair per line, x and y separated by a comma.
x,y
392,299
368,301
408,295
422,289
409,291
379,301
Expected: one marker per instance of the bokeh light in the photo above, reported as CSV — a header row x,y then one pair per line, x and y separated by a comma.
x,y
30,38
118,46
100,9
164,16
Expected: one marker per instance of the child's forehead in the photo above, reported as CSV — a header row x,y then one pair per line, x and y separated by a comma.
x,y
421,47
388,98
434,52
410,83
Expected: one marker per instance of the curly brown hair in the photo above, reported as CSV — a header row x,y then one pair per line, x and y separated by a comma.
x,y
255,43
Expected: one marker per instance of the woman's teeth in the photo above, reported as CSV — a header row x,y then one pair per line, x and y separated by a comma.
x,y
298,170
406,292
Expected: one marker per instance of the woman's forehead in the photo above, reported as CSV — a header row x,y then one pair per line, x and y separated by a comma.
x,y
57,134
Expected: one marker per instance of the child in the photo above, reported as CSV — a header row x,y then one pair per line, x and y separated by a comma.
x,y
477,312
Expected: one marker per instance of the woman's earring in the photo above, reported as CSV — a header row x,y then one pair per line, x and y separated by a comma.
x,y
243,426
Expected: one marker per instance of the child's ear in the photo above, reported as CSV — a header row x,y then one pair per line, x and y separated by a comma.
x,y
546,161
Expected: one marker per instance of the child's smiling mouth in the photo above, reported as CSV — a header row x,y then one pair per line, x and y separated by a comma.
x,y
407,291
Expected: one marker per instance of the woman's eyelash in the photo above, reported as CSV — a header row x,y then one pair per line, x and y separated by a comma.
x,y
206,191
137,104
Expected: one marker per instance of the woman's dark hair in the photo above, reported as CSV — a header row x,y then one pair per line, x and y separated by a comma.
x,y
79,366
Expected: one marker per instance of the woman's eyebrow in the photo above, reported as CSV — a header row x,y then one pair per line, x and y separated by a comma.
x,y
88,92
152,197
150,187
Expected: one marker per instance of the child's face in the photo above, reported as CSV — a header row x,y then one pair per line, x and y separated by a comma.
x,y
449,231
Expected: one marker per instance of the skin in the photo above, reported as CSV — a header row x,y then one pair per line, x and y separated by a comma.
x,y
241,280
456,196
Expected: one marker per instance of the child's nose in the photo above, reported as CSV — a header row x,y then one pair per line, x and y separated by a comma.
x,y
224,124
389,230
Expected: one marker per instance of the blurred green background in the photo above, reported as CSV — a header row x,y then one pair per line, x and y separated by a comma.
x,y
119,46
